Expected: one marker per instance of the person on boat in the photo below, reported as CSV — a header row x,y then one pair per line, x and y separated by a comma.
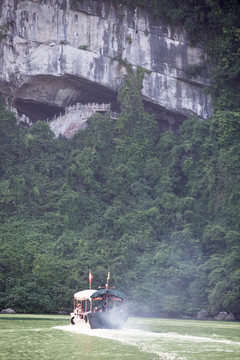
x,y
79,311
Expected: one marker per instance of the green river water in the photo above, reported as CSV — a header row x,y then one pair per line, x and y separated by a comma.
x,y
52,337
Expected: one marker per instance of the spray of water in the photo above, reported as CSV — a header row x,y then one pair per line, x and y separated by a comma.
x,y
138,338
153,342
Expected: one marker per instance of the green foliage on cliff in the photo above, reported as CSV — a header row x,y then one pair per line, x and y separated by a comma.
x,y
213,24
158,210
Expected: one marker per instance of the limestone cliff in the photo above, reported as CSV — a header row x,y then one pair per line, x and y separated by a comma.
x,y
58,53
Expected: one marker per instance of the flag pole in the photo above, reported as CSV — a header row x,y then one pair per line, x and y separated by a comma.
x,y
90,279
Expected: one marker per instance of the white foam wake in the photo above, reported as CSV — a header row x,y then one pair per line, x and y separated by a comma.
x,y
151,342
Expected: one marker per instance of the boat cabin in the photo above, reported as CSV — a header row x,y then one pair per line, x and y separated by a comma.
x,y
104,308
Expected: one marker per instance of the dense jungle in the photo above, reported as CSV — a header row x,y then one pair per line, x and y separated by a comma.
x,y
159,210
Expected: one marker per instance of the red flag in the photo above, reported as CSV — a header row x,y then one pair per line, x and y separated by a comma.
x,y
90,278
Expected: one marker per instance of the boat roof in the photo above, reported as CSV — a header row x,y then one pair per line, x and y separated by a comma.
x,y
113,292
84,294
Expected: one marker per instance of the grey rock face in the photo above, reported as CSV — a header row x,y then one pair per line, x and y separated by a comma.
x,y
8,311
57,53
224,316
230,317
202,315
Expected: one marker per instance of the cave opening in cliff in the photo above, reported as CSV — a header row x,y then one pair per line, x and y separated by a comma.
x,y
44,97
35,110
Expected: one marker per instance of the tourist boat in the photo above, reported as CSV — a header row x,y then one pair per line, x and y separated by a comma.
x,y
99,309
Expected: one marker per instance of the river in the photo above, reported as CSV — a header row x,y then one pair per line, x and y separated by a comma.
x,y
52,337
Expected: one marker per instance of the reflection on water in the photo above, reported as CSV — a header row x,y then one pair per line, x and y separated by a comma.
x,y
52,338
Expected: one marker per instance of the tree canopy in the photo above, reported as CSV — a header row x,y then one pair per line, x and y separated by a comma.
x,y
161,211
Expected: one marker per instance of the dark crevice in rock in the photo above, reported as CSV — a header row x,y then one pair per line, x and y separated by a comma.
x,y
45,96
35,110
167,120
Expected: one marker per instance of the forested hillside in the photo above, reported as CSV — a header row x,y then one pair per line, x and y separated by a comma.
x,y
161,211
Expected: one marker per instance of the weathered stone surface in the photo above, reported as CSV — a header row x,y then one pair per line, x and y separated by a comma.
x,y
230,317
8,311
58,53
75,118
68,124
224,316
202,315
221,316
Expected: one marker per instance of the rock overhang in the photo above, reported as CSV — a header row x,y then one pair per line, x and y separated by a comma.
x,y
53,93
58,55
